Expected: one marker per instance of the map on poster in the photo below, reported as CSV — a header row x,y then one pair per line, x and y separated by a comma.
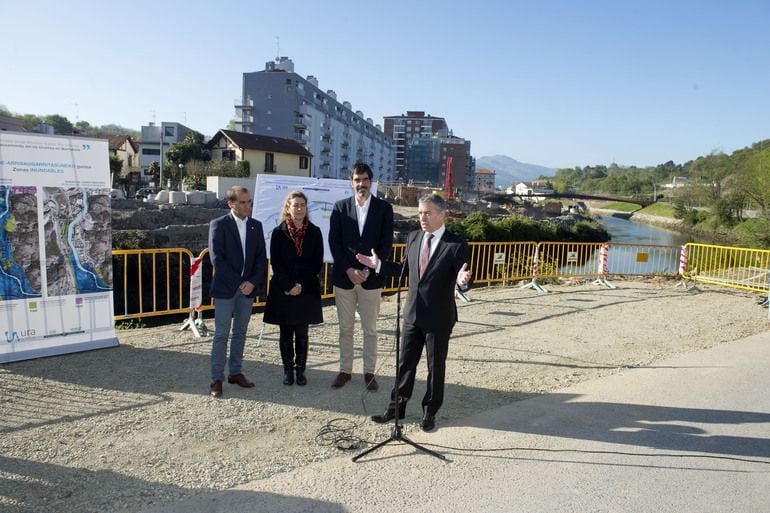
x,y
55,246
322,194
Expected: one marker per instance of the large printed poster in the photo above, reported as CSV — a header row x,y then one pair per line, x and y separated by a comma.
x,y
322,194
55,246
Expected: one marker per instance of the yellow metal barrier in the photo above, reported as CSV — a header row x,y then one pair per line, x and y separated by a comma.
x,y
501,262
558,259
155,282
643,260
581,259
739,268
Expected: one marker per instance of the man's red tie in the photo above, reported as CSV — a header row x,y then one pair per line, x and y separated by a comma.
x,y
425,256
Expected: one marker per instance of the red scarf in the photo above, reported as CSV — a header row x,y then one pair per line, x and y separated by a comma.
x,y
297,234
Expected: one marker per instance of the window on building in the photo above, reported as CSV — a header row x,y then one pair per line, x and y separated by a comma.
x,y
303,162
269,163
150,151
168,131
228,155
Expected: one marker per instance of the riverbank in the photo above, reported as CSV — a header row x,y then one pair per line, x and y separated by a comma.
x,y
127,428
667,223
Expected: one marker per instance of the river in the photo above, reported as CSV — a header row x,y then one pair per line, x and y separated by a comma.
x,y
637,252
630,232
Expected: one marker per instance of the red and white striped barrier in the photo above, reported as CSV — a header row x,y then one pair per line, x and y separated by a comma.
x,y
195,320
603,267
535,265
683,261
683,282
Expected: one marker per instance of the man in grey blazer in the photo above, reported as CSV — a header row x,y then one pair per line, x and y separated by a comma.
x,y
237,251
437,263
358,224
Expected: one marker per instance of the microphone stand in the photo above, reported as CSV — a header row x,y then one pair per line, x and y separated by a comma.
x,y
396,435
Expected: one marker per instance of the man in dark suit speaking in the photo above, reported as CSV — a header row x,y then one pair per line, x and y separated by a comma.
x,y
437,262
237,250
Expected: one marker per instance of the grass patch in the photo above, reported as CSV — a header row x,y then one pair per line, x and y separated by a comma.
x,y
659,209
621,207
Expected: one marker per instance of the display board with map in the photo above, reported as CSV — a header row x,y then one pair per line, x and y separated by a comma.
x,y
322,193
55,246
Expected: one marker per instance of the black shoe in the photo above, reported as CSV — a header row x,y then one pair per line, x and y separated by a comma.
x,y
371,383
428,423
389,415
288,377
301,379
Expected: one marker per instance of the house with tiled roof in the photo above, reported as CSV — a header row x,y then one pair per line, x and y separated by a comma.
x,y
127,150
264,153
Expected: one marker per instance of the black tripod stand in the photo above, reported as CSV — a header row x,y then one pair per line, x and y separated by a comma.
x,y
396,435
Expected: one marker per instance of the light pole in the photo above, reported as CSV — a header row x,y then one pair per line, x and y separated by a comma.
x,y
181,172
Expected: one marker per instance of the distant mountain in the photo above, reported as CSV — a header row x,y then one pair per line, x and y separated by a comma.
x,y
510,171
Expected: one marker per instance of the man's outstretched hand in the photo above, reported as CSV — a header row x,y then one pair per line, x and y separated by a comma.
x,y
464,276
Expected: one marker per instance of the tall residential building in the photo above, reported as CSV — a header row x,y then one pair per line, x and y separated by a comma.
x,y
405,129
278,102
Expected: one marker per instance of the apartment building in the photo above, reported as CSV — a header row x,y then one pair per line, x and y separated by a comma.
x,y
428,157
156,140
405,130
280,103
485,180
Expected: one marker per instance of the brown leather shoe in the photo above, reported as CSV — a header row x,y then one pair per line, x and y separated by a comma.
x,y
371,383
240,380
216,389
340,380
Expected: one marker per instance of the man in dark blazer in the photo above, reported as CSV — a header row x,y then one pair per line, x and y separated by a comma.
x,y
358,224
237,251
437,263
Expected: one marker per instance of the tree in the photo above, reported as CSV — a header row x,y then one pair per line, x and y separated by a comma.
x,y
60,124
709,173
116,166
753,180
154,170
191,148
30,121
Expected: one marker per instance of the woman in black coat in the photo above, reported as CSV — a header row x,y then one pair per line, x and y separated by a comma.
x,y
294,299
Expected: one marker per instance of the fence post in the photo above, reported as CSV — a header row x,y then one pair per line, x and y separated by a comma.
x,y
195,319
603,269
535,264
683,277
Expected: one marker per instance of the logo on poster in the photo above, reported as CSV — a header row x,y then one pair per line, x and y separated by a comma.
x,y
16,336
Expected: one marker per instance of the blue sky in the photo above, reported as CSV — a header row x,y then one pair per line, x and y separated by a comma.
x,y
555,83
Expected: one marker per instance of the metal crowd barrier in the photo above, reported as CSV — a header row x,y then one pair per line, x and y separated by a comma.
x,y
150,282
739,268
155,282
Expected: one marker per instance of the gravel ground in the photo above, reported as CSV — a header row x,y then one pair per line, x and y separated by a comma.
x,y
126,428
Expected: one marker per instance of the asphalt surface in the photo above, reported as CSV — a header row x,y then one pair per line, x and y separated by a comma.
x,y
687,434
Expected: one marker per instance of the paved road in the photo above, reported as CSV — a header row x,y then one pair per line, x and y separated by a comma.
x,y
689,434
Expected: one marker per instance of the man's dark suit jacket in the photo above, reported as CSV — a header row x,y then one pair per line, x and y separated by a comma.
x,y
345,241
430,303
227,257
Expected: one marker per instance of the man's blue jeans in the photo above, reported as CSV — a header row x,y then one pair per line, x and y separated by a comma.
x,y
234,312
